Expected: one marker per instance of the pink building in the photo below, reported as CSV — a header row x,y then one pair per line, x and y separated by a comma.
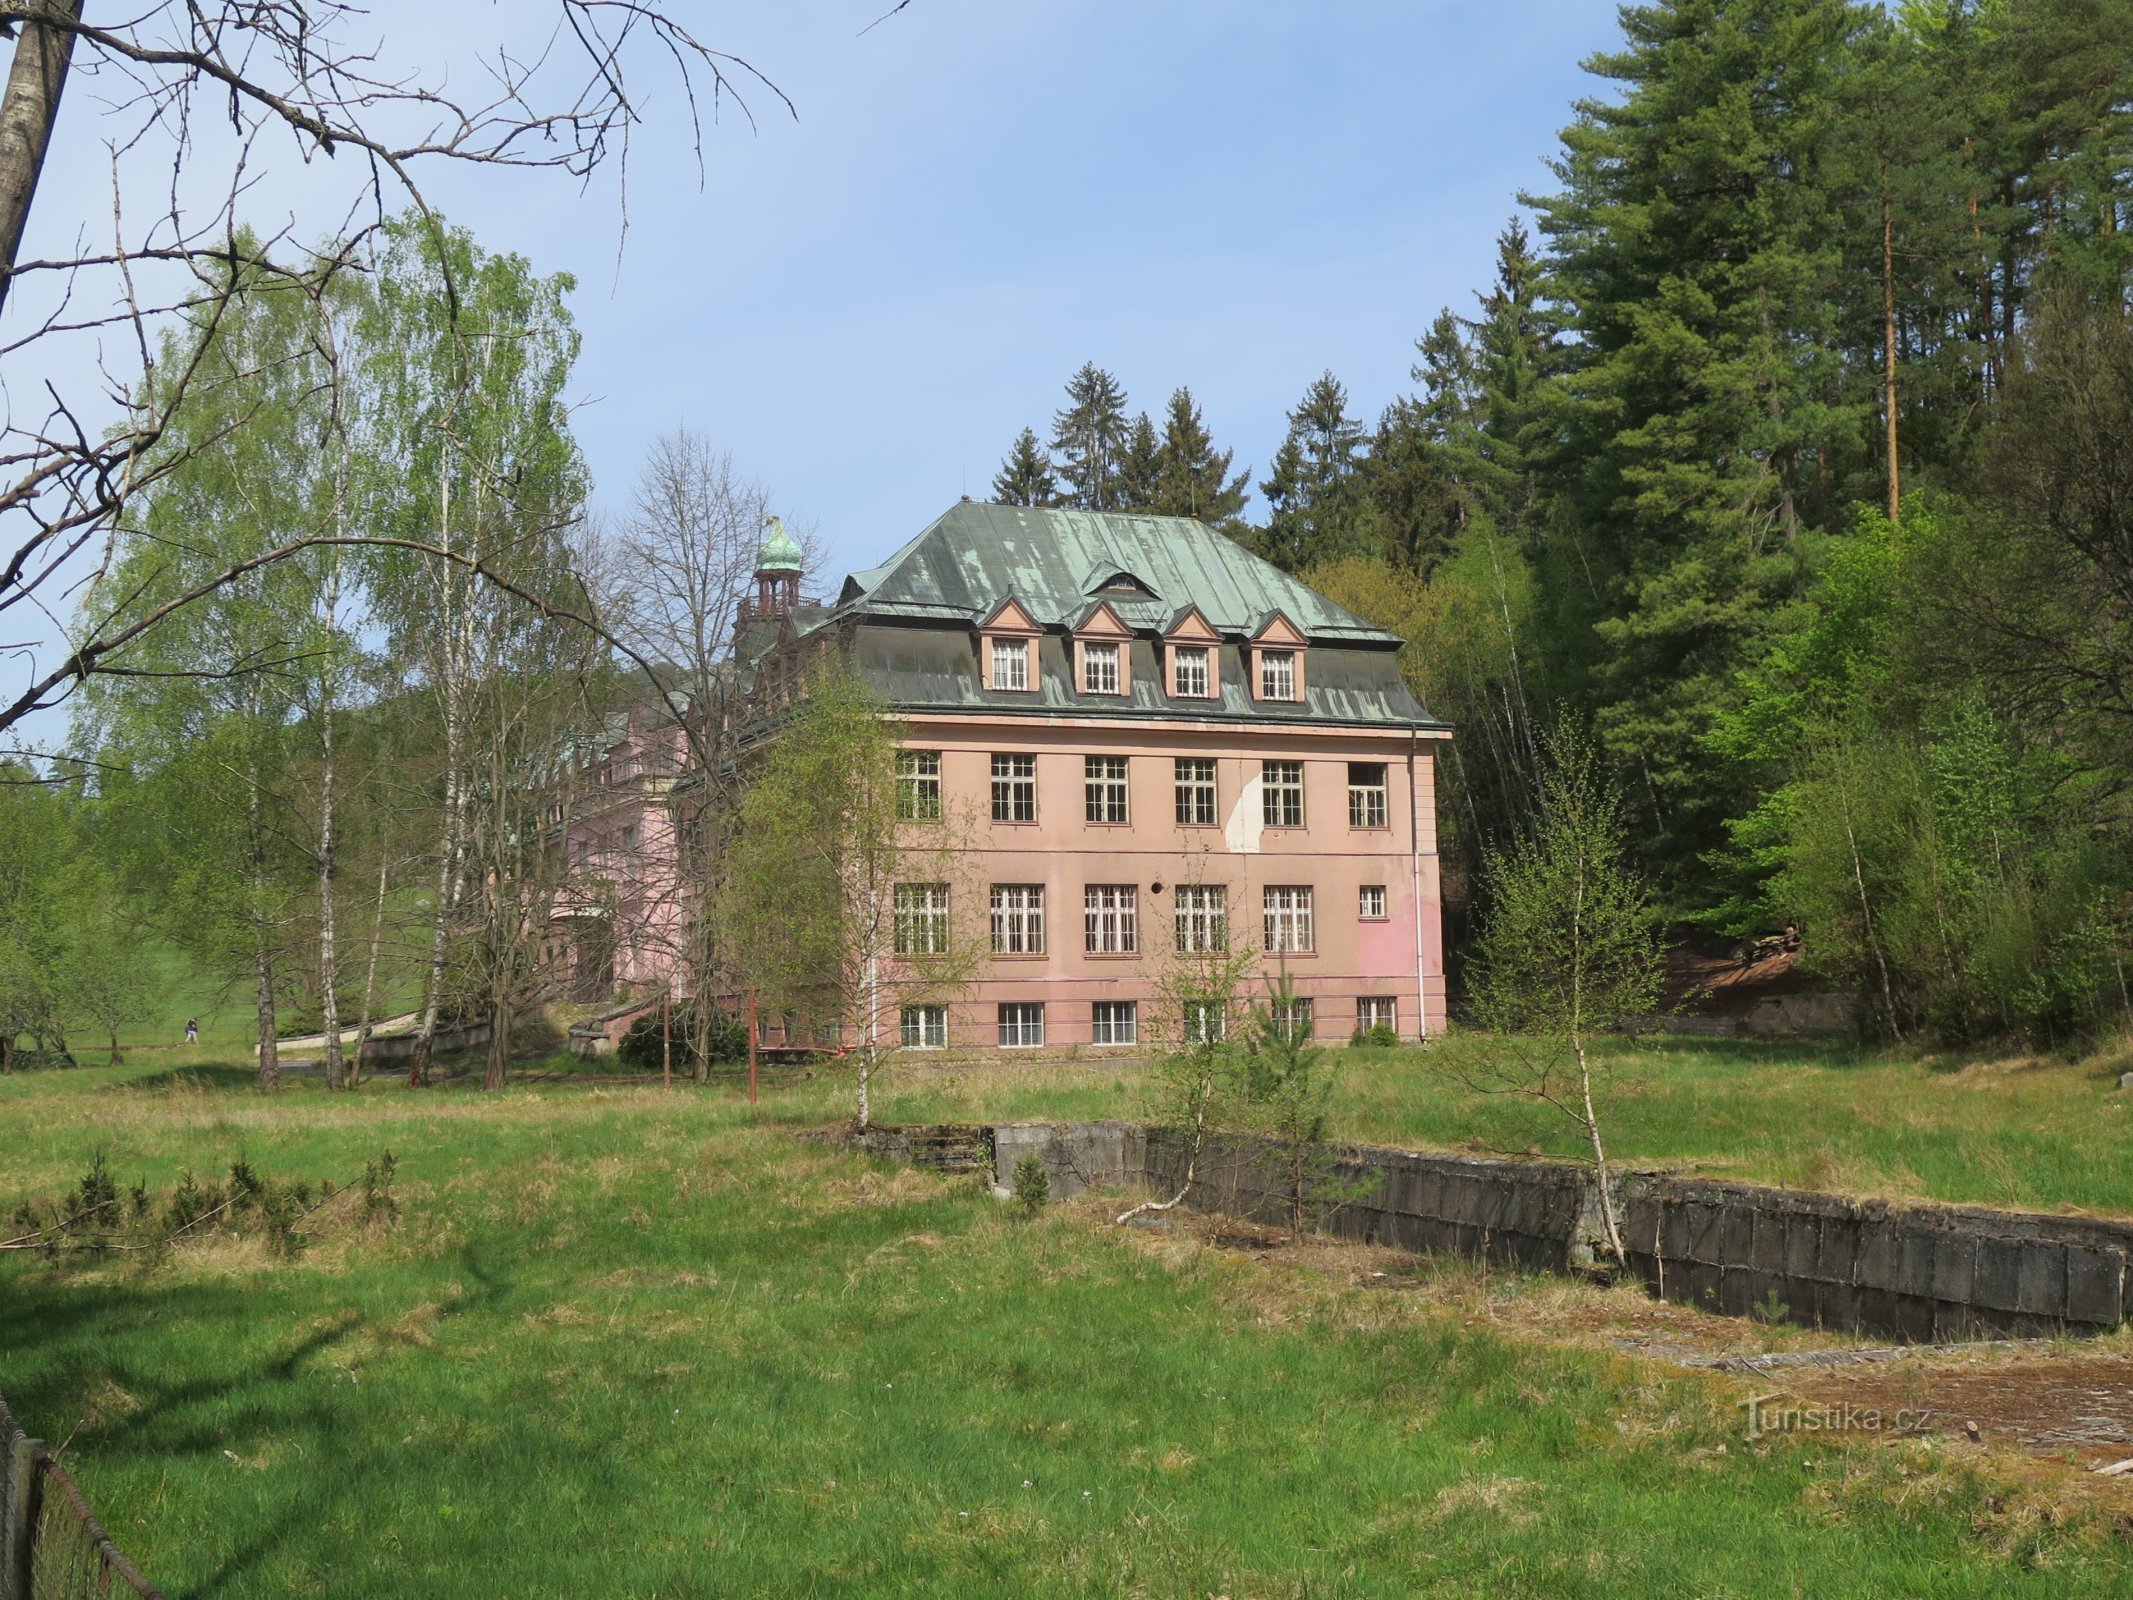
x,y
1163,741
617,926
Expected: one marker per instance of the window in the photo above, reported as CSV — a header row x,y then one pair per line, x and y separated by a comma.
x,y
925,1027
1203,918
918,785
1018,919
1115,1022
1372,908
1196,792
1206,1022
1293,1020
1366,794
1288,919
1014,788
1190,672
1099,669
1277,674
1104,779
1010,663
1110,920
1021,1025
1377,1011
1282,793
922,919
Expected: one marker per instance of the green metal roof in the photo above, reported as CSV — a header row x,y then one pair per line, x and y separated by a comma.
x,y
1054,562
780,552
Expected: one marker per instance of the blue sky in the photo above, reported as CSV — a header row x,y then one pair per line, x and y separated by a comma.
x,y
865,302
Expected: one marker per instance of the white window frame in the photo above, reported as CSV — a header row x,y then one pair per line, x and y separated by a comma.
x,y
1296,1020
1281,794
1202,912
1198,1014
924,1027
1021,1024
918,785
1110,680
1014,653
1194,787
1018,919
1104,790
1202,658
1374,1009
1289,929
1370,903
1110,919
1277,675
921,919
1014,780
1369,804
1115,1022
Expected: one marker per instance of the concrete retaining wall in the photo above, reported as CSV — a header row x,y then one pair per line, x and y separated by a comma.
x,y
1912,1272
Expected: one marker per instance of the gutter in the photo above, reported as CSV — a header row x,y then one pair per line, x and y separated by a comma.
x,y
1414,849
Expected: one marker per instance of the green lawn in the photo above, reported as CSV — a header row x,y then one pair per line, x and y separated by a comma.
x,y
625,1343
2031,1134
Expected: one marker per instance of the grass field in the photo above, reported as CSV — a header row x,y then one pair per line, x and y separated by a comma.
x,y
624,1343
2044,1134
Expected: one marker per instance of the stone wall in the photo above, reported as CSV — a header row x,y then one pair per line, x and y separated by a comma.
x,y
1911,1271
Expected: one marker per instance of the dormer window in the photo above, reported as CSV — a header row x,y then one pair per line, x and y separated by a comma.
x,y
1277,674
1010,664
1099,669
1189,671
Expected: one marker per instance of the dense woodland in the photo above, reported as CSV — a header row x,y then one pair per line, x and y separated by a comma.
x,y
1786,456
1791,451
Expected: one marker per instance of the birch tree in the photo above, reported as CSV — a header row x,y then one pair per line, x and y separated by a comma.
x,y
1571,950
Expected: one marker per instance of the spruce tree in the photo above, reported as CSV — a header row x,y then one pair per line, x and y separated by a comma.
x,y
1025,477
1692,245
1318,511
1088,438
1140,466
1194,477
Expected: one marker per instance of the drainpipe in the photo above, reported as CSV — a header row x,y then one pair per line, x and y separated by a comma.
x,y
1414,850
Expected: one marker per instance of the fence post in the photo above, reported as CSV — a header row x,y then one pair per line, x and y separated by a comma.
x,y
18,1513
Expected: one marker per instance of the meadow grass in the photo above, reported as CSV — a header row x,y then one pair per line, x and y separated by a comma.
x,y
2030,1133
626,1343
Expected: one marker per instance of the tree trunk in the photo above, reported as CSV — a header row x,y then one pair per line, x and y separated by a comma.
x,y
269,1047
34,85
1599,1154
370,983
500,1017
1888,349
118,1056
329,969
418,1066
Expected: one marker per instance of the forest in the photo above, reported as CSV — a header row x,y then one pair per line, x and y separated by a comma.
x,y
1790,452
1788,455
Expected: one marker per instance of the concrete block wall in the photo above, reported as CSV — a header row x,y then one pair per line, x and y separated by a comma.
x,y
1911,1272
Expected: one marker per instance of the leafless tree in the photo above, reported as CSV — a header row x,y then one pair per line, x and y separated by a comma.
x,y
196,99
679,586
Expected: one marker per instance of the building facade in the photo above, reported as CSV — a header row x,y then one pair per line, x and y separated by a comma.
x,y
1150,740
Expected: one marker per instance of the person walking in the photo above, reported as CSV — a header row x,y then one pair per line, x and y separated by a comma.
x,y
192,1030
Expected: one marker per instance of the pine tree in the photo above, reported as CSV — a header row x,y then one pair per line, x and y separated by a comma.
x,y
1318,512
1025,477
1088,437
1692,244
1140,466
1194,479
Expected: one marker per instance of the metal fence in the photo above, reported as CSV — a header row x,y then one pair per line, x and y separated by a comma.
x,y
51,1545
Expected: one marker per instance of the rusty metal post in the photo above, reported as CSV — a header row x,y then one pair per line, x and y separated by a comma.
x,y
751,1046
18,1508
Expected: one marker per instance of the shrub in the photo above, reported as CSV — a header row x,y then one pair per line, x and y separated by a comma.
x,y
640,1047
1033,1186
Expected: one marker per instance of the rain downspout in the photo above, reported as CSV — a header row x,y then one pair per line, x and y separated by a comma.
x,y
1414,851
